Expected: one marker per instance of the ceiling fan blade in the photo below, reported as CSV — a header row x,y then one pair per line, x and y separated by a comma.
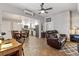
x,y
48,9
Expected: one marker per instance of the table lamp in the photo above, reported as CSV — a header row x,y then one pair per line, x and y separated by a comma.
x,y
2,34
74,29
77,31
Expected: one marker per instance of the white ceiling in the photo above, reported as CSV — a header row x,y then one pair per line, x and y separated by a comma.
x,y
57,7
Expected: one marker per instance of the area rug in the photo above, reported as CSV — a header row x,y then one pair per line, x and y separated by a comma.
x,y
70,49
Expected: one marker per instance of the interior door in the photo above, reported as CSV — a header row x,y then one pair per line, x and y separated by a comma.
x,y
37,30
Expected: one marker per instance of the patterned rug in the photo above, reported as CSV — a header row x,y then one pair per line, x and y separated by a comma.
x,y
70,49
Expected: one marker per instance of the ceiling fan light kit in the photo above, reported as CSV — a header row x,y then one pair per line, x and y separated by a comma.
x,y
43,10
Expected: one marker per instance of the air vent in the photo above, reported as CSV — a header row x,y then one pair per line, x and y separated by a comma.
x,y
28,12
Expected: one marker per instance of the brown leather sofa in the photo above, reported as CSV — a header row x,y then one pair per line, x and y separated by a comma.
x,y
54,40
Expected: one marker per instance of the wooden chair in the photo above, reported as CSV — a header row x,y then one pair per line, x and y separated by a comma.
x,y
19,37
21,40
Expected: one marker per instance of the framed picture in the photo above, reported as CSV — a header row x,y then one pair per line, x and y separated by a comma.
x,y
48,19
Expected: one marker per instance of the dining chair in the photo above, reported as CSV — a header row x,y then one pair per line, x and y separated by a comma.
x,y
19,37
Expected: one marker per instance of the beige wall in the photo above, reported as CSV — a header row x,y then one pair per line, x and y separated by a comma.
x,y
60,22
75,19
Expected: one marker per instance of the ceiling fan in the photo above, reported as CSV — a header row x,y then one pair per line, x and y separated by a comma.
x,y
43,10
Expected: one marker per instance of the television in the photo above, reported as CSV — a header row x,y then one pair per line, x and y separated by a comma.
x,y
25,26
76,37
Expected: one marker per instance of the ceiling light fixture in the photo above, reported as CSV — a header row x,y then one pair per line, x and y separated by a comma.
x,y
42,11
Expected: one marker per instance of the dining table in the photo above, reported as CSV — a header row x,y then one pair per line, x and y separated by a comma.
x,y
11,47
